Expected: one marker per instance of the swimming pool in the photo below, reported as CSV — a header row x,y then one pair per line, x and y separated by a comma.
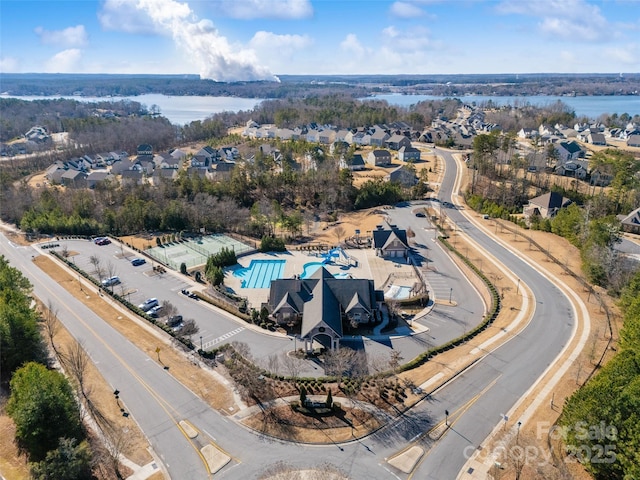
x,y
309,269
398,292
259,273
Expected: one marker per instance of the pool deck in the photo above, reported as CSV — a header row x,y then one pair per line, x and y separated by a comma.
x,y
369,266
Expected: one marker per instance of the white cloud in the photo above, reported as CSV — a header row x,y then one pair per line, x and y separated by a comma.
x,y
408,40
127,16
211,52
69,37
627,54
352,45
251,9
66,61
571,19
406,10
8,65
282,44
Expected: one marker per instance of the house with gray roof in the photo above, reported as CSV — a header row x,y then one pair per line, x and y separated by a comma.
x,y
98,176
631,222
403,175
546,206
322,305
378,158
569,151
406,154
391,242
74,179
396,142
54,173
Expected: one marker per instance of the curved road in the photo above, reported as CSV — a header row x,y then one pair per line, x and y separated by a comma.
x,y
475,400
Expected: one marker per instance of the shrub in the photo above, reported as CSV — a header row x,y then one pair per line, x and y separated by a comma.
x,y
272,244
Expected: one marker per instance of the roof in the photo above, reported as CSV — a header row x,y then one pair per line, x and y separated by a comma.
x,y
550,200
321,298
382,237
380,153
632,219
571,147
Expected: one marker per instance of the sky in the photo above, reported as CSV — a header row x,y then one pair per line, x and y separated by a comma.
x,y
231,40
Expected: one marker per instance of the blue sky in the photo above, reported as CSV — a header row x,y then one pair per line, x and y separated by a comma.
x,y
230,40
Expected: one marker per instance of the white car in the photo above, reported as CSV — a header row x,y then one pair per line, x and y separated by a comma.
x,y
148,304
107,282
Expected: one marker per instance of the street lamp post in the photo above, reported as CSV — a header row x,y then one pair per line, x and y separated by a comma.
x,y
518,287
200,342
450,293
518,433
446,418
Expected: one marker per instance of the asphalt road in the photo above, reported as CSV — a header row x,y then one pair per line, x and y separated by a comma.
x,y
506,373
476,399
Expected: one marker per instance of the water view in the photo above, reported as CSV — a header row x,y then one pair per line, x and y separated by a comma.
x,y
181,110
586,106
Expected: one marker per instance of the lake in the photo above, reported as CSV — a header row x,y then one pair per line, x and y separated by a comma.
x,y
185,109
591,107
179,110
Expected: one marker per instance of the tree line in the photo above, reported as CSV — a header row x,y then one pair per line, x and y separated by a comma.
x,y
42,403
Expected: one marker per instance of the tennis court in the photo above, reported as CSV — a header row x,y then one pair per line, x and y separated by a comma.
x,y
194,252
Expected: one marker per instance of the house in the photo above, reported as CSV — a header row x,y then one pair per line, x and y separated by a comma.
x,y
119,166
527,133
396,142
162,174
54,173
322,304
596,138
601,176
98,176
390,243
406,154
74,179
379,138
144,149
355,163
37,134
379,157
546,206
177,153
326,137
569,151
131,177
403,175
167,160
631,222
572,168
209,153
633,141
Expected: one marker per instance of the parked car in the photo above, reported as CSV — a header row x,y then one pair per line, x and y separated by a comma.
x,y
148,304
101,241
108,282
420,215
138,261
155,311
174,320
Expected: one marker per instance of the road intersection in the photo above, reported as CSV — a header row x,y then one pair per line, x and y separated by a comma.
x,y
474,401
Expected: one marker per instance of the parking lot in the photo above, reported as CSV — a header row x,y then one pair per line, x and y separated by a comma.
x,y
141,282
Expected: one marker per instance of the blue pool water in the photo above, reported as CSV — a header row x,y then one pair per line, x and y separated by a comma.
x,y
259,273
308,269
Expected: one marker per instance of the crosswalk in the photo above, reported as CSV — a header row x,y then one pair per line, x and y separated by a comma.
x,y
440,286
222,338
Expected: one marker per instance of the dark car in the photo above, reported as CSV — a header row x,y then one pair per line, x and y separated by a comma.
x,y
420,215
138,261
102,241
